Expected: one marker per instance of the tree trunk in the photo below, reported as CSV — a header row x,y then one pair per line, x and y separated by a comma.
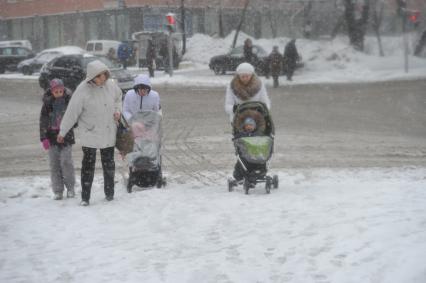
x,y
356,27
421,44
240,24
221,33
377,21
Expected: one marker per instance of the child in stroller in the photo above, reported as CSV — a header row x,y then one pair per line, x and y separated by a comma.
x,y
145,159
253,138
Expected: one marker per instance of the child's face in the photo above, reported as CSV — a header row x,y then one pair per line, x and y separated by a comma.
x,y
248,128
58,92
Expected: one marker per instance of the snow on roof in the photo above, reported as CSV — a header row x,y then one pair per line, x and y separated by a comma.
x,y
67,49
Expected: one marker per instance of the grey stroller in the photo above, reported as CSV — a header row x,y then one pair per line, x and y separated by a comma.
x,y
145,159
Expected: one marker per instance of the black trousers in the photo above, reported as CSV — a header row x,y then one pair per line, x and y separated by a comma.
x,y
88,171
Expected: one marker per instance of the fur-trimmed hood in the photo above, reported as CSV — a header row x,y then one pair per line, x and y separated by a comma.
x,y
245,92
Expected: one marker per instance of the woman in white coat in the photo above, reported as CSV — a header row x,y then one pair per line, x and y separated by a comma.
x,y
96,107
245,86
141,98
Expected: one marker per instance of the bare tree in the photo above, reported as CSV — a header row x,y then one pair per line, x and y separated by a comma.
x,y
356,15
241,23
377,16
220,20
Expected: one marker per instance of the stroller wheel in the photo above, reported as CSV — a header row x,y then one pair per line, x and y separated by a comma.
x,y
268,184
275,181
246,186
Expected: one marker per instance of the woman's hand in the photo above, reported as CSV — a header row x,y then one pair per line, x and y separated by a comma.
x,y
60,139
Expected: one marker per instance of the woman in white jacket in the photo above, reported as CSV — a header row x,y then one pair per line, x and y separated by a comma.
x,y
245,86
142,97
96,107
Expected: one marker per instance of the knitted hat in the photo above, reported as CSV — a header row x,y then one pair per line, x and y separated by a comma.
x,y
245,68
56,83
249,121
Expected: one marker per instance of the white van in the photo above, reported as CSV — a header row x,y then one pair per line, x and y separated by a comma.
x,y
102,47
24,43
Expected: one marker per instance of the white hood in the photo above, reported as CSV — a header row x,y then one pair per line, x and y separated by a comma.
x,y
142,79
95,68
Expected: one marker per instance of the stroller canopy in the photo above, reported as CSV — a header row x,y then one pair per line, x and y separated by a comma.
x,y
259,112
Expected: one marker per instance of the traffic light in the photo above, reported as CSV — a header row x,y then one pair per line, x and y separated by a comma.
x,y
171,22
413,16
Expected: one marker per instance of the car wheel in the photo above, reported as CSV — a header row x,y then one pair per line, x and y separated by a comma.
x,y
217,69
27,70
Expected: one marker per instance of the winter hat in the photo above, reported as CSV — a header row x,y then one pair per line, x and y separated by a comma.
x,y
249,121
245,68
142,81
56,83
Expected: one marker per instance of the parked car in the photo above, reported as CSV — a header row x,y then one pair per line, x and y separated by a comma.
x,y
102,47
10,56
20,42
72,70
29,66
229,62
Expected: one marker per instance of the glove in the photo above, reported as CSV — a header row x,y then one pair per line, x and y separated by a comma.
x,y
46,144
234,108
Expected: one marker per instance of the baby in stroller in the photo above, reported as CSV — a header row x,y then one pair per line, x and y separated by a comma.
x,y
145,159
253,138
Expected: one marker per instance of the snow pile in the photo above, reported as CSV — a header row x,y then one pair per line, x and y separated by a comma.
x,y
365,225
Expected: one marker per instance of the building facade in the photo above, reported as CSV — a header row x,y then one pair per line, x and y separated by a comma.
x,y
50,23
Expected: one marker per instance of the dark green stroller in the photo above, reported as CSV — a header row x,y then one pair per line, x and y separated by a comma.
x,y
253,152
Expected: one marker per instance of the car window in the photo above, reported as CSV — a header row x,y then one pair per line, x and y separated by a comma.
x,y
47,56
7,51
21,51
238,51
98,46
66,62
89,47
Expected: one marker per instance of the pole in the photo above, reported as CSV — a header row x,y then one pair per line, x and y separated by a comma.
x,y
405,39
170,54
183,27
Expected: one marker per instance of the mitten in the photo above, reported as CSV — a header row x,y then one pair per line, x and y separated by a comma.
x,y
45,143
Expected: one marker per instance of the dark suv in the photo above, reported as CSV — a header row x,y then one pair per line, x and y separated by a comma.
x,y
10,56
72,70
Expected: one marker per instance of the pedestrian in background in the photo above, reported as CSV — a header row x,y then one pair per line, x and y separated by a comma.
x,y
291,56
248,51
55,102
275,60
96,106
123,53
150,57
